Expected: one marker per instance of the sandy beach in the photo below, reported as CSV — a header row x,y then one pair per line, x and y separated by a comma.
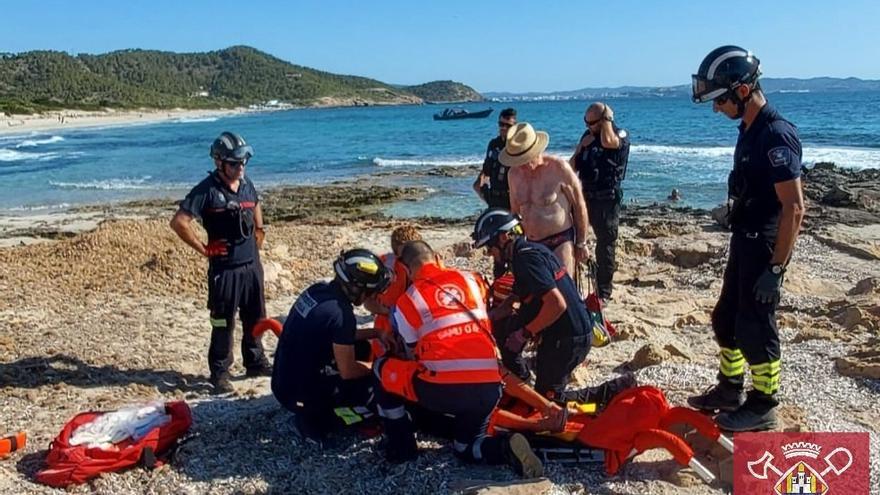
x,y
77,119
106,311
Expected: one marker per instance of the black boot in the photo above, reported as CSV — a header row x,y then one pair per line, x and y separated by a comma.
x,y
758,413
221,383
521,457
400,440
719,397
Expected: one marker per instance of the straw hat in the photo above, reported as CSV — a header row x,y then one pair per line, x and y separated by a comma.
x,y
523,145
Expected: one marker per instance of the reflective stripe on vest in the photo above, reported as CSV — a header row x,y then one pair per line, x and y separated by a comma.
x,y
451,321
461,365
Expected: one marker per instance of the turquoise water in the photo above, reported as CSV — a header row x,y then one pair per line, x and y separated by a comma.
x,y
675,144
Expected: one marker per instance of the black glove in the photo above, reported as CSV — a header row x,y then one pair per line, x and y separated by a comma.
x,y
767,288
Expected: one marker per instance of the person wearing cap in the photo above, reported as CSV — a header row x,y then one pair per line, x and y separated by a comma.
x,y
551,309
491,184
227,204
321,371
546,193
765,215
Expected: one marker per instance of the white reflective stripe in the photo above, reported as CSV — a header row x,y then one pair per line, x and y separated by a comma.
x,y
476,450
407,332
461,364
711,95
393,413
451,321
474,289
710,74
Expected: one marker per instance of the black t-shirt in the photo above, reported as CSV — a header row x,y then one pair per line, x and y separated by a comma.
x,y
767,153
320,317
226,215
601,169
536,270
499,190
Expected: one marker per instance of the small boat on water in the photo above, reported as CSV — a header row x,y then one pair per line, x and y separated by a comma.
x,y
461,113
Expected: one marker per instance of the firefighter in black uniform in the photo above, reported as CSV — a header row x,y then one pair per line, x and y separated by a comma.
x,y
600,161
227,204
765,215
491,184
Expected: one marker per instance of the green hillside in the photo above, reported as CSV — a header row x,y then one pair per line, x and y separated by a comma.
x,y
236,76
444,91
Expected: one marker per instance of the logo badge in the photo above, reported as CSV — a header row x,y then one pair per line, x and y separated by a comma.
x,y
800,463
449,296
780,156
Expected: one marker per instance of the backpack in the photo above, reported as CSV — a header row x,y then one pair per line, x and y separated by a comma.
x,y
67,464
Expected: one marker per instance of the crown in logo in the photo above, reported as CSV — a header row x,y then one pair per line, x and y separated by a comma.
x,y
801,449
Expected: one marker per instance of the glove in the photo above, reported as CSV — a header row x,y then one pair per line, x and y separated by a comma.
x,y
215,248
516,341
767,288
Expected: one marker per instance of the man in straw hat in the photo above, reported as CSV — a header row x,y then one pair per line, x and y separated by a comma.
x,y
546,193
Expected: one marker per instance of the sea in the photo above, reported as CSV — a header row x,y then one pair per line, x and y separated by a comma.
x,y
675,144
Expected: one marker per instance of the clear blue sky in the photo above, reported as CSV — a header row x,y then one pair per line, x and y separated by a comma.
x,y
491,45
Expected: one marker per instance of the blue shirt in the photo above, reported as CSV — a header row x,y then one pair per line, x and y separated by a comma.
x,y
320,317
536,271
767,153
226,214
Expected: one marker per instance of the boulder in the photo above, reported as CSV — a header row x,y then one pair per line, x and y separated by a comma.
x,y
719,214
648,355
690,255
699,318
862,363
861,242
870,285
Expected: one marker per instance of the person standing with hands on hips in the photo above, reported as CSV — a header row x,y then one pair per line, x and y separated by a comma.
x,y
228,206
600,161
765,217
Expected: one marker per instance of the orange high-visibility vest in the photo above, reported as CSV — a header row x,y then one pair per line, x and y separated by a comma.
x,y
444,313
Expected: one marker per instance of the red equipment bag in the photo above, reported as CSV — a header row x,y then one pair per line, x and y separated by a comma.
x,y
72,465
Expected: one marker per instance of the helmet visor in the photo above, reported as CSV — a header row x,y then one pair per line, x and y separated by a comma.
x,y
241,153
704,90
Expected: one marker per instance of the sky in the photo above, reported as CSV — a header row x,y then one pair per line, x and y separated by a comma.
x,y
490,45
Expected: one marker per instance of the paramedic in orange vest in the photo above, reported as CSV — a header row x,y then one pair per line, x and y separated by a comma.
x,y
382,304
443,322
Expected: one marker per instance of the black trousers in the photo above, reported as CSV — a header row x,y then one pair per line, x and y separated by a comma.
x,y
742,324
604,213
230,290
470,406
558,353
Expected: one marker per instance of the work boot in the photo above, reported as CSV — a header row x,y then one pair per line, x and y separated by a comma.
x,y
718,397
307,430
262,369
400,441
747,419
521,457
221,383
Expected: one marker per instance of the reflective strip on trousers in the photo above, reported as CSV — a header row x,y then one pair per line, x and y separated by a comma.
x,y
218,322
765,376
393,413
461,364
732,362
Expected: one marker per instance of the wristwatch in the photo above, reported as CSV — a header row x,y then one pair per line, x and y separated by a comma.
x,y
777,269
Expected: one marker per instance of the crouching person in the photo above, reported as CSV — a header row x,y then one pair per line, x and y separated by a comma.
x,y
443,323
321,370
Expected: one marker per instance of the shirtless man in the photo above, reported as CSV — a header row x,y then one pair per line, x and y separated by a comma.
x,y
546,193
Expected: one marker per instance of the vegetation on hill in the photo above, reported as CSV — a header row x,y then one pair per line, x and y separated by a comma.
x,y
45,80
444,91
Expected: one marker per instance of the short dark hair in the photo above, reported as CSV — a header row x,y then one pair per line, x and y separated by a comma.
x,y
414,251
508,112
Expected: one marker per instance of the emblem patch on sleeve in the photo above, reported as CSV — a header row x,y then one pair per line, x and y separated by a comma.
x,y
780,156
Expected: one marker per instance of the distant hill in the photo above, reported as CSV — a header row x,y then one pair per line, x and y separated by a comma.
x,y
444,92
236,76
770,85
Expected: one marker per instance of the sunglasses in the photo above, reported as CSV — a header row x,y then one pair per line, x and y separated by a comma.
x,y
591,123
505,124
235,163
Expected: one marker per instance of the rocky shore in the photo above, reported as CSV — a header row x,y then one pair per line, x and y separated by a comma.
x,y
113,312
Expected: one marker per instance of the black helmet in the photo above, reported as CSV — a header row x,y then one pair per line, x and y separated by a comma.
x,y
363,270
724,69
229,146
492,223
